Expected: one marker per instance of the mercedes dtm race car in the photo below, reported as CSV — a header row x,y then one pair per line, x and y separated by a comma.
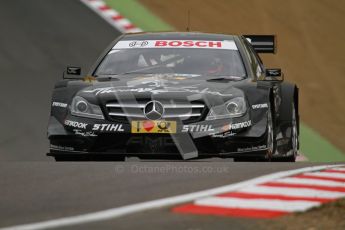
x,y
176,96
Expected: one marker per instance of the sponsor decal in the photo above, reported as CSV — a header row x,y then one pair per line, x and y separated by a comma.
x,y
197,128
76,124
58,147
236,126
59,104
149,126
240,125
124,89
224,135
253,148
179,43
108,127
84,134
153,90
200,44
260,106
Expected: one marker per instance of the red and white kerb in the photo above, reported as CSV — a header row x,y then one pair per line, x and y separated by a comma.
x,y
296,193
111,16
200,44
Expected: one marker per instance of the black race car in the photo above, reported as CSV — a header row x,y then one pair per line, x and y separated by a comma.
x,y
176,96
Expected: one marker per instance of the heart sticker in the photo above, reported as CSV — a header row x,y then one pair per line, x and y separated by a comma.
x,y
148,125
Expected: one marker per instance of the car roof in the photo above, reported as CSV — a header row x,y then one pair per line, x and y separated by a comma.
x,y
177,36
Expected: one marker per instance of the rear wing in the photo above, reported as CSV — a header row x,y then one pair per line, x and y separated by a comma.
x,y
263,43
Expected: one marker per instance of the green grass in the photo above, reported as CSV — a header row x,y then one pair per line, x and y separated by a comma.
x,y
318,149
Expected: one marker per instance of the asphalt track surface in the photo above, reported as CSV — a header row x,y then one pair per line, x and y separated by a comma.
x,y
38,39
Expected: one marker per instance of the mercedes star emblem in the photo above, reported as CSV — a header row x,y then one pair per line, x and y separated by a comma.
x,y
154,110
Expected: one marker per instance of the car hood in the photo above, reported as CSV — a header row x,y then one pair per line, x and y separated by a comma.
x,y
162,87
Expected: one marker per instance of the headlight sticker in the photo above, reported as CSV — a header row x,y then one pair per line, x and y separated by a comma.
x,y
240,125
236,126
59,104
260,106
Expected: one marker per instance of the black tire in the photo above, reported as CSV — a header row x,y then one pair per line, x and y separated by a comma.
x,y
294,138
271,134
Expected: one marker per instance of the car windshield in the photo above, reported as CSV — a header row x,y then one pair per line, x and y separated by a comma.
x,y
189,58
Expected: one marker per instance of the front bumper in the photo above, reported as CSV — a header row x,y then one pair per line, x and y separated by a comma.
x,y
78,136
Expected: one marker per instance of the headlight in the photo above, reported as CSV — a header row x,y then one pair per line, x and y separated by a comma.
x,y
235,107
82,108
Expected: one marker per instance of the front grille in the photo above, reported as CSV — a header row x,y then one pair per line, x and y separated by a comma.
x,y
186,112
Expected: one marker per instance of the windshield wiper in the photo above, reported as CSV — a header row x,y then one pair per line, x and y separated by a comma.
x,y
226,78
105,77
140,71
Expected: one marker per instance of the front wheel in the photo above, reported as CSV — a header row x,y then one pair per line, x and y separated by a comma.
x,y
294,140
271,141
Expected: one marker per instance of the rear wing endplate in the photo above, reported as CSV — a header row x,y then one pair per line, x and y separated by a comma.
x,y
263,43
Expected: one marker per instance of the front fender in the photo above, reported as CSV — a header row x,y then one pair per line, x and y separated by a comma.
x,y
62,96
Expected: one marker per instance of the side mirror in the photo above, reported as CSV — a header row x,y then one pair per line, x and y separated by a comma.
x,y
274,75
72,72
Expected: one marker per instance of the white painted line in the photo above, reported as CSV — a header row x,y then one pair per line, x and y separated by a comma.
x,y
327,174
260,204
292,192
305,181
134,208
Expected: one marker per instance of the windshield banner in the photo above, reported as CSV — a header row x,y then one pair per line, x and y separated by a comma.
x,y
227,45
